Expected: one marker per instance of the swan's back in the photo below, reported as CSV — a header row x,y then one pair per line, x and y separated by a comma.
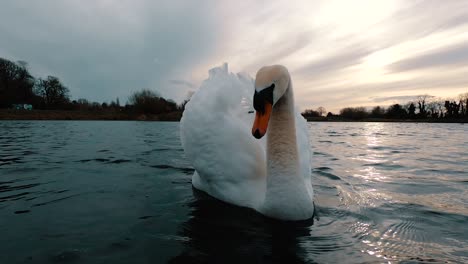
x,y
215,134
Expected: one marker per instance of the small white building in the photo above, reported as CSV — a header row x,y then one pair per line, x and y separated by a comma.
x,y
22,107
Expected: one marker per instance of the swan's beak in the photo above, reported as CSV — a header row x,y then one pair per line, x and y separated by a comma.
x,y
260,124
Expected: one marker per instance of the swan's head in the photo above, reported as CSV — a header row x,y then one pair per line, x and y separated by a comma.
x,y
271,84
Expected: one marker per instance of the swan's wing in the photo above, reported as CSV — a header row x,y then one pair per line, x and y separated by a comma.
x,y
302,133
215,133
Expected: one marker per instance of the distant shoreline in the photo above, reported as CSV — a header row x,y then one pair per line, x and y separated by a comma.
x,y
9,114
387,120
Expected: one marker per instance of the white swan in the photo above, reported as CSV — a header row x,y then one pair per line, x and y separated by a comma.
x,y
272,177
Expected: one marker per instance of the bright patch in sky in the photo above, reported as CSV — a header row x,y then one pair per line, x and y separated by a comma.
x,y
339,53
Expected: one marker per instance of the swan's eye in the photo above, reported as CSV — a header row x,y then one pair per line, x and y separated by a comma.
x,y
262,97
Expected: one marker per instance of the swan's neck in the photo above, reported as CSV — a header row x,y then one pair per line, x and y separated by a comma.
x,y
283,160
287,196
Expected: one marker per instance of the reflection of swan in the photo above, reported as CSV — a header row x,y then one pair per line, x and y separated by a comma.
x,y
216,232
272,177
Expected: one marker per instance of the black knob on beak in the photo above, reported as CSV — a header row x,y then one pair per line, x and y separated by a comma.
x,y
256,134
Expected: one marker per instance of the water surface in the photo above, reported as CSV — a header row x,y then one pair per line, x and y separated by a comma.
x,y
120,192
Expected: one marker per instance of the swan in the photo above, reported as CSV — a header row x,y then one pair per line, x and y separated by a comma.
x,y
224,140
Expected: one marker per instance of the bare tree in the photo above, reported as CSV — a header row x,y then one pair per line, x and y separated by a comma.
x,y
452,108
310,113
115,104
396,111
422,105
321,110
355,113
54,94
464,103
16,83
377,112
149,102
411,108
432,108
439,102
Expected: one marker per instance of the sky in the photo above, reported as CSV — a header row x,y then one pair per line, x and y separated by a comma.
x,y
339,53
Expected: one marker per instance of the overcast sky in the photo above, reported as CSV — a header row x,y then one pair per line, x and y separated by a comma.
x,y
339,53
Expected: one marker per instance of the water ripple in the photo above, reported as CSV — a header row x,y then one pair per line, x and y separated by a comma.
x,y
121,192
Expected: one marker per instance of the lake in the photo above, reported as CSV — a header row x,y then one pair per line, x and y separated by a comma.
x,y
120,192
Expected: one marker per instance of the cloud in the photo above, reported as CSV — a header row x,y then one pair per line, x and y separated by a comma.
x,y
335,97
416,20
106,49
417,48
452,56
417,84
403,98
339,53
346,57
281,49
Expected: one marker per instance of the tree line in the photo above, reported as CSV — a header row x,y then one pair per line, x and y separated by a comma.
x,y
19,87
423,107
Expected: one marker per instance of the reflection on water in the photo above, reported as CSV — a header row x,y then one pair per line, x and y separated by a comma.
x,y
217,232
120,192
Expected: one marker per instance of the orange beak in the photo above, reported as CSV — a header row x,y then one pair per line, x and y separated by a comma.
x,y
260,124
